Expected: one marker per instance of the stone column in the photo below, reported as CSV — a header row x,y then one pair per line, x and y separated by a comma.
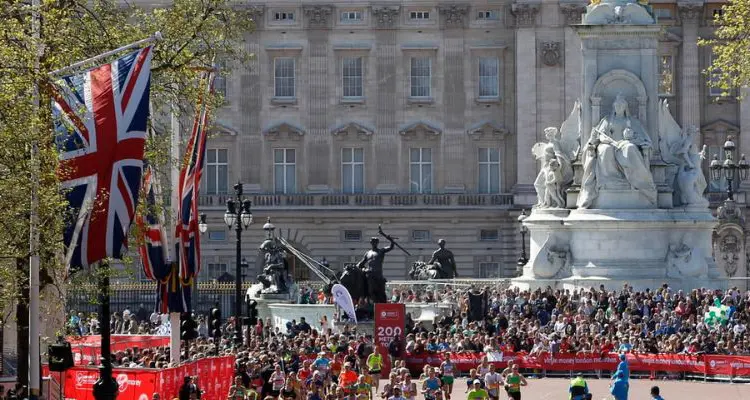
x,y
744,135
690,74
572,13
526,103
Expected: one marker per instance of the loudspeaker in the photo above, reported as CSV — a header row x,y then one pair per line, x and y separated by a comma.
x,y
60,357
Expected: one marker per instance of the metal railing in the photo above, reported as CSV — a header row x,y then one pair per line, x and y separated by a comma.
x,y
367,200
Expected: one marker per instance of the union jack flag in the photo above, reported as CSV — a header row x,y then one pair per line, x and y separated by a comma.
x,y
100,120
186,229
153,251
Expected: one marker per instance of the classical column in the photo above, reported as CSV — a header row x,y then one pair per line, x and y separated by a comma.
x,y
690,74
526,103
744,135
572,13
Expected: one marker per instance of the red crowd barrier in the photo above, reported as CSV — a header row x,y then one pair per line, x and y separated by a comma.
x,y
706,364
215,377
86,348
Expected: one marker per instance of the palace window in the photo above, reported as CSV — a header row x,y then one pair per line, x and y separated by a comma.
x,y
286,16
283,72
216,270
488,235
489,170
216,171
487,15
419,15
352,170
352,235
421,74
489,77
351,72
666,75
351,16
284,171
421,235
420,170
217,235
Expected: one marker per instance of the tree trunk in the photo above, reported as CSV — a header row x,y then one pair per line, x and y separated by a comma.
x,y
22,321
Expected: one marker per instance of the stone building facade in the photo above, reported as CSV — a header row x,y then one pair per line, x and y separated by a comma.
x,y
420,116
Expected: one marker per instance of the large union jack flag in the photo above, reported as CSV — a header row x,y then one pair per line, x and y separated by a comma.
x,y
100,122
153,250
186,229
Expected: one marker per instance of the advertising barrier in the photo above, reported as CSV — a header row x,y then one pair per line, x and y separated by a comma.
x,y
214,379
708,364
86,348
390,320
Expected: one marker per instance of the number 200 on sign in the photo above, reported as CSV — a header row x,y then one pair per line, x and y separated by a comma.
x,y
389,331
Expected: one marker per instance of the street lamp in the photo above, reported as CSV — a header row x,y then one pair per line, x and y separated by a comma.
x,y
239,216
523,229
729,169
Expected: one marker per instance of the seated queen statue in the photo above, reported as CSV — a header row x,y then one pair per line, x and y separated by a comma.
x,y
617,157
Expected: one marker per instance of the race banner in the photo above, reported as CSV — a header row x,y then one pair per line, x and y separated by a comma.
x,y
727,365
86,349
666,363
390,320
577,361
132,384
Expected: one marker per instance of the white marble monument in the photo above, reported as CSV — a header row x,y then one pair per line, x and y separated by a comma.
x,y
620,192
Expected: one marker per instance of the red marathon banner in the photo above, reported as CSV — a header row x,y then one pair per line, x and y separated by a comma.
x,y
214,379
390,320
666,363
727,365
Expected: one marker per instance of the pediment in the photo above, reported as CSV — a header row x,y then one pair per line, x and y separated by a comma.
x,y
351,130
222,128
420,130
284,130
721,126
486,130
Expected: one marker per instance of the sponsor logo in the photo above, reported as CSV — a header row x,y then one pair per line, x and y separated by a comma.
x,y
123,382
390,314
84,379
713,363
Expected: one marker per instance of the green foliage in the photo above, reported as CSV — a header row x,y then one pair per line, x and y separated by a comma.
x,y
731,47
196,33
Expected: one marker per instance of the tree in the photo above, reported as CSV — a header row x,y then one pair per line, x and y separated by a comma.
x,y
196,33
730,44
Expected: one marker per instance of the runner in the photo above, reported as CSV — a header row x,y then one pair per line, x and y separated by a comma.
x,y
408,388
492,383
237,391
476,392
388,388
447,369
513,383
375,365
363,389
431,386
278,380
472,377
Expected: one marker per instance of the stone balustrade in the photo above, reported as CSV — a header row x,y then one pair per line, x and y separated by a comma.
x,y
406,200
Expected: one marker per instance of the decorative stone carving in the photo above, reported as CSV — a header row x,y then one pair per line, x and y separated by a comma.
x,y
729,253
557,156
283,130
610,12
686,261
318,16
351,130
729,239
525,14
420,130
690,12
385,16
486,130
677,148
573,13
729,213
550,53
454,15
554,259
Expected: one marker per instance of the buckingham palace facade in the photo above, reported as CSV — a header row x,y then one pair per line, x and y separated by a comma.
x,y
418,116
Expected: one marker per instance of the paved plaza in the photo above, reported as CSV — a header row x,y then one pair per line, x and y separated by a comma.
x,y
557,388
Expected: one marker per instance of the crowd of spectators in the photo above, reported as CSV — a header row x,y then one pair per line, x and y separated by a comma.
x,y
659,320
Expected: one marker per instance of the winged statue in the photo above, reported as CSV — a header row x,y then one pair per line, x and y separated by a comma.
x,y
677,148
557,156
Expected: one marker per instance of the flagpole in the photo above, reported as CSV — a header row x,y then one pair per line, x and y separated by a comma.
x,y
174,317
155,37
34,380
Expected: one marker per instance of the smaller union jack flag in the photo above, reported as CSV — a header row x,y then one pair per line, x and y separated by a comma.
x,y
186,229
153,251
100,118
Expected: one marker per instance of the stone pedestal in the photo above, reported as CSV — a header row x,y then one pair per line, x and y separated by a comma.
x,y
643,247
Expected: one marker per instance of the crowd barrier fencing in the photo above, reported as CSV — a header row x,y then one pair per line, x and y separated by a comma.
x,y
715,367
215,377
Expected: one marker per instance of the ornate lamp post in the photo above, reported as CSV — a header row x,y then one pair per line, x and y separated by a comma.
x,y
523,229
239,217
729,169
